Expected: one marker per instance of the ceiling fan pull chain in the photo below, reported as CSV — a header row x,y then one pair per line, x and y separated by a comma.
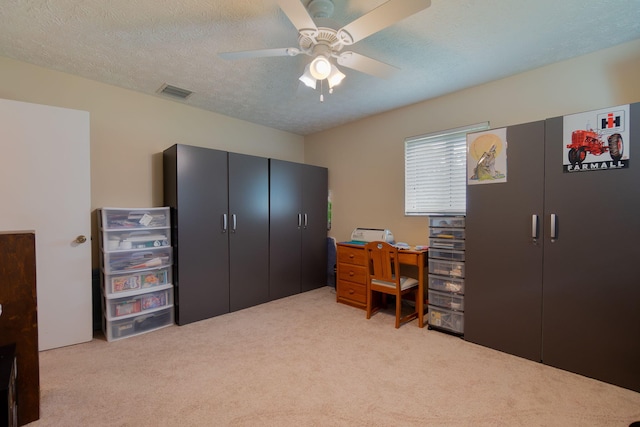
x,y
321,92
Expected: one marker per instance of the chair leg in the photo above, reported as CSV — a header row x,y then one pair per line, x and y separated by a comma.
x,y
398,310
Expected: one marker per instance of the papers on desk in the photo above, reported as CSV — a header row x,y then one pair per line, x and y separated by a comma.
x,y
401,245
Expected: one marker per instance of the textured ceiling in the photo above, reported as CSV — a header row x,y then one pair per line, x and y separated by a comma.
x,y
452,45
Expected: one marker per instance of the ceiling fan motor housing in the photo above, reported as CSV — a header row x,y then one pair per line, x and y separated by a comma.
x,y
320,8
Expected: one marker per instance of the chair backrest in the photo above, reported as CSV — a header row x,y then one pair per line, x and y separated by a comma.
x,y
382,262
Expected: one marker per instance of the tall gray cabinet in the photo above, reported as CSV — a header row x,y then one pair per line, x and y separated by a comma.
x,y
551,265
298,228
220,204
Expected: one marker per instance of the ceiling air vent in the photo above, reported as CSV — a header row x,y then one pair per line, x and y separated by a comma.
x,y
174,91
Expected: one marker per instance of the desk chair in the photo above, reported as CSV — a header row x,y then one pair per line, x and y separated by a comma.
x,y
383,275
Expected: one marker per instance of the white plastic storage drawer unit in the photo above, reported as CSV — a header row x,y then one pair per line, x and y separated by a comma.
x,y
446,268
446,319
125,261
136,266
446,300
137,325
133,218
139,303
446,254
446,221
446,284
447,233
451,244
117,284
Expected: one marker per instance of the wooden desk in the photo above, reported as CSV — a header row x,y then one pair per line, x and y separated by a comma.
x,y
351,283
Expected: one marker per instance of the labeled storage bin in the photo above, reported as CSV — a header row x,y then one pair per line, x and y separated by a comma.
x,y
451,244
122,283
134,304
125,218
446,300
446,319
124,261
447,233
446,254
146,322
446,268
446,284
446,221
138,239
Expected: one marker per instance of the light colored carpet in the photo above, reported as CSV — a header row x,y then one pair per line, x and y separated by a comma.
x,y
309,361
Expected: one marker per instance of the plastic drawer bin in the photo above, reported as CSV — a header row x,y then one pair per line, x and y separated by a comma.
x,y
125,218
128,261
450,244
446,268
446,319
446,300
137,325
138,239
122,283
127,306
447,233
446,221
446,254
447,284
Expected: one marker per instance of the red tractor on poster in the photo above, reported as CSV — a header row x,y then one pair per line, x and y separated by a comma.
x,y
589,141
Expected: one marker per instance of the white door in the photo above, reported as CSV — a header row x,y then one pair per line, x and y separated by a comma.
x,y
45,187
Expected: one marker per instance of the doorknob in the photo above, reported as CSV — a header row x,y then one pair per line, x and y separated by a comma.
x,y
80,239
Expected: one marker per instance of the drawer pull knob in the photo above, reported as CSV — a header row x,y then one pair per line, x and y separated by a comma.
x,y
350,255
351,273
351,291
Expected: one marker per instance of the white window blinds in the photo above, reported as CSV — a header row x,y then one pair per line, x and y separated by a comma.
x,y
436,172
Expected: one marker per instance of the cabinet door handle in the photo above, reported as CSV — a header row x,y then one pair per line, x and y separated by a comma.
x,y
534,227
554,227
224,223
299,220
234,223
305,220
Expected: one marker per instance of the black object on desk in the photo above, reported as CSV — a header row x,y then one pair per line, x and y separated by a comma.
x,y
8,405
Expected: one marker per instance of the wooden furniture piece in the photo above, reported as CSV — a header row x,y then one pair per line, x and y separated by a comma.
x,y
19,319
351,281
8,404
383,275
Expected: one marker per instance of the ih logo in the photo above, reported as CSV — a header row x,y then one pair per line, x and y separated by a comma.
x,y
613,121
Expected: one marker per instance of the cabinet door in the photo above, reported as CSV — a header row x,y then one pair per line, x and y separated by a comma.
x,y
503,263
285,228
196,189
314,231
591,297
249,230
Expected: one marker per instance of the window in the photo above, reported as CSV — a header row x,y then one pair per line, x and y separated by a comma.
x,y
435,168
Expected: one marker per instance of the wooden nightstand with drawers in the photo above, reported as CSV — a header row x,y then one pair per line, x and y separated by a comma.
x,y
351,284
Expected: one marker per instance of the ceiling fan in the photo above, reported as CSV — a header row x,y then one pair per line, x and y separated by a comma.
x,y
325,44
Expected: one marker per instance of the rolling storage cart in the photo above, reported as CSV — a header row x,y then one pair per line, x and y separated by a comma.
x,y
136,262
446,273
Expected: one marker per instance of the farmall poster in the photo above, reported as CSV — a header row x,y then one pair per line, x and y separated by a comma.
x,y
487,157
596,140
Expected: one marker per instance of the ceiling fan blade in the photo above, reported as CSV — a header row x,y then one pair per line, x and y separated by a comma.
x,y
298,15
260,53
379,18
366,65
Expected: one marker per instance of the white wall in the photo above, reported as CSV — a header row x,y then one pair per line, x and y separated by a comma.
x,y
366,158
129,131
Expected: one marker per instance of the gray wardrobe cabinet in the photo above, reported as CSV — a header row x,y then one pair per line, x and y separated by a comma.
x,y
221,230
298,228
220,227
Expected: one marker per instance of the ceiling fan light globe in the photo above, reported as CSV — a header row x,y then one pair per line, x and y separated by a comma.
x,y
320,68
335,77
307,78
